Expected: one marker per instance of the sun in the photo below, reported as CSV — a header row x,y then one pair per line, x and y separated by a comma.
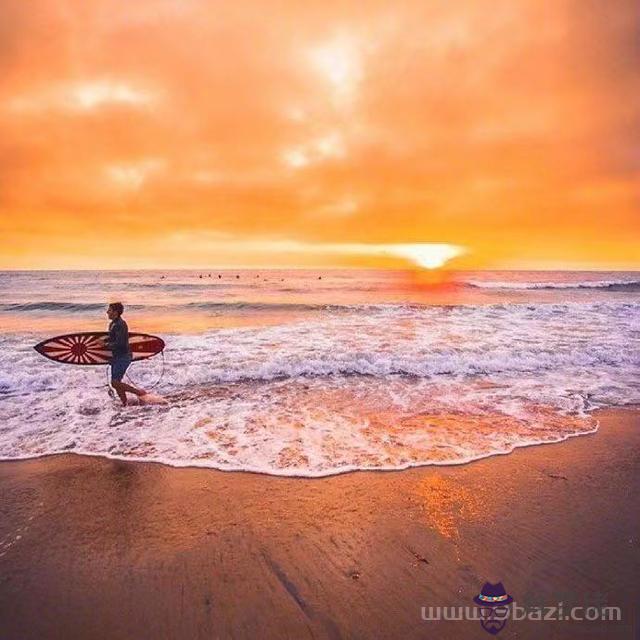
x,y
426,255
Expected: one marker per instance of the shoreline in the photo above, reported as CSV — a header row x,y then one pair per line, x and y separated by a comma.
x,y
92,547
192,465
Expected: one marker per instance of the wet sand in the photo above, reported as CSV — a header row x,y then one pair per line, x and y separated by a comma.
x,y
95,548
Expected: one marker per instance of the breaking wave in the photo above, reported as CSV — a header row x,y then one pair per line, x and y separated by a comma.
x,y
612,285
387,388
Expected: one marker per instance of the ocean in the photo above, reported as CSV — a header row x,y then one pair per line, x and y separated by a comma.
x,y
317,372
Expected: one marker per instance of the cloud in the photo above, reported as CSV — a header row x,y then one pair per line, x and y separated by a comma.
x,y
329,146
338,61
133,175
505,127
84,96
341,207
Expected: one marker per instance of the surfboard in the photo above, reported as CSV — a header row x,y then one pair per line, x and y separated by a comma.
x,y
86,348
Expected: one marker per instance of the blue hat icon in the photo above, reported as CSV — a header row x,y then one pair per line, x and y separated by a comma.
x,y
493,595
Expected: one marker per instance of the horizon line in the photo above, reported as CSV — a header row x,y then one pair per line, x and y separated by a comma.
x,y
272,268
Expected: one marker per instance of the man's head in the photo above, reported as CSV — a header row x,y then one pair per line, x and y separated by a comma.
x,y
115,310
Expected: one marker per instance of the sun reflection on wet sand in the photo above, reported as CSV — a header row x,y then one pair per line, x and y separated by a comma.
x,y
446,503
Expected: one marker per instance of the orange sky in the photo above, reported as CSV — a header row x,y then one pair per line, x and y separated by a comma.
x,y
186,133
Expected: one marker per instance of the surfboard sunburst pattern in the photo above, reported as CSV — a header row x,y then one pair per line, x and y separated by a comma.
x,y
88,349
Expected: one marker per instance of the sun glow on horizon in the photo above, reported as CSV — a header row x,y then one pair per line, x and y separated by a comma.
x,y
424,255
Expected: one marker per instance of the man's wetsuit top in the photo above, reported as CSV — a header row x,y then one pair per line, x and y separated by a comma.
x,y
118,340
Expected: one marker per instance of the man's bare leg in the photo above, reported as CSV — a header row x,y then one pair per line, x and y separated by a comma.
x,y
131,389
122,388
120,391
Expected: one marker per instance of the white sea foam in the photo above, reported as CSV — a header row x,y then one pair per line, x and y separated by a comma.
x,y
386,388
554,284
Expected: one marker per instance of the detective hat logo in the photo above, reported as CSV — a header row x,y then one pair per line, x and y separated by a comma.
x,y
493,601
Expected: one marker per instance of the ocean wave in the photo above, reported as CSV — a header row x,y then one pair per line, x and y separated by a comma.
x,y
238,306
385,389
69,307
294,428
612,285
198,368
426,342
393,309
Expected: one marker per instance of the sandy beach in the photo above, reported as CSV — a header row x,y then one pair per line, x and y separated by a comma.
x,y
98,548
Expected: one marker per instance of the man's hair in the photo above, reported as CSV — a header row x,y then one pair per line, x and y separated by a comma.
x,y
117,307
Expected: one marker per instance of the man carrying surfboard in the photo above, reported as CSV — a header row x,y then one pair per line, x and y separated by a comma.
x,y
118,343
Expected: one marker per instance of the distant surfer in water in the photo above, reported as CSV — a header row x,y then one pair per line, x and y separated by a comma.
x,y
118,343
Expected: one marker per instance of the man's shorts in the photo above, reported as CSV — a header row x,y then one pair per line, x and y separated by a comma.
x,y
119,365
